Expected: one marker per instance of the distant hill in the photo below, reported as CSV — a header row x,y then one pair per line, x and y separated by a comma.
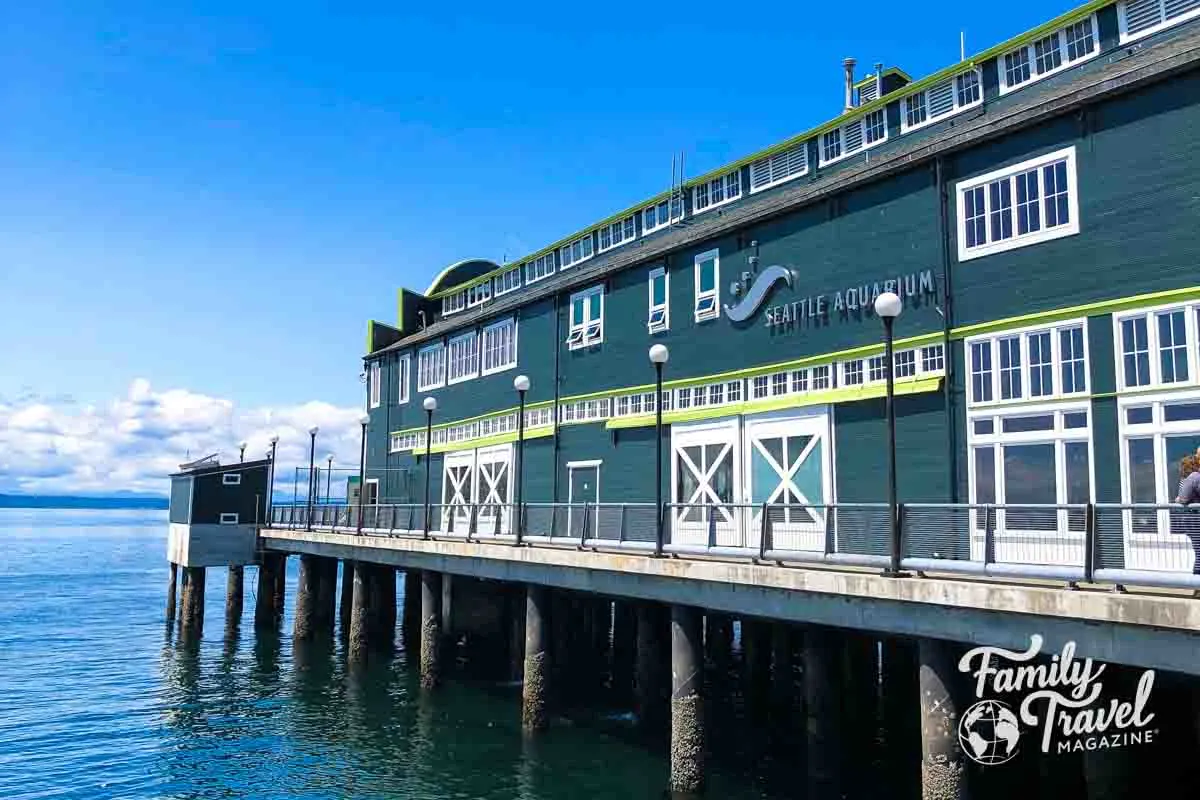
x,y
118,501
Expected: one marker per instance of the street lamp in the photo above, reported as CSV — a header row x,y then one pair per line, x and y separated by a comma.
x,y
328,476
521,384
888,306
312,453
241,451
430,406
658,356
271,474
362,466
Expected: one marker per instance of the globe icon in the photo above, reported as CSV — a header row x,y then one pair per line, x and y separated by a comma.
x,y
989,732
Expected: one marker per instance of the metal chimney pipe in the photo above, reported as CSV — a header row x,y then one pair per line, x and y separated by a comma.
x,y
849,65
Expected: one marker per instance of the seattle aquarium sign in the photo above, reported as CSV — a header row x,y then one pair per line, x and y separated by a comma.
x,y
752,291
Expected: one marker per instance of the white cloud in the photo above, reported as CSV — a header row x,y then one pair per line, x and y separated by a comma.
x,y
56,446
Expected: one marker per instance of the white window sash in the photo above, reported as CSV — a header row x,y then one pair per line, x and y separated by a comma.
x,y
587,331
664,307
462,365
403,365
1044,233
958,107
1153,344
724,180
849,127
992,343
425,381
1031,52
702,313
376,382
506,332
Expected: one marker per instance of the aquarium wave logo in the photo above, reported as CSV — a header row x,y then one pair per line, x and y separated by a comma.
x,y
756,291
1062,698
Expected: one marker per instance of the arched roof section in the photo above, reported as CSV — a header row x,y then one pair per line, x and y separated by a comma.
x,y
460,272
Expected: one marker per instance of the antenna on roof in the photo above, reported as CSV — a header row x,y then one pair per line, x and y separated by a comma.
x,y
962,46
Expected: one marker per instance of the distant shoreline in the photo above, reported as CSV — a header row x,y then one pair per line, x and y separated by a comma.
x,y
90,503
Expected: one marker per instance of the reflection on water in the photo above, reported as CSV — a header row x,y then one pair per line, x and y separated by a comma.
x,y
102,699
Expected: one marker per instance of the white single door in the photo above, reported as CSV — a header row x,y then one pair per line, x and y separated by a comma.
x,y
705,481
493,468
457,485
788,467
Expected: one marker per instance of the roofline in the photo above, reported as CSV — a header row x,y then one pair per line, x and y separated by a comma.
x,y
913,86
1055,101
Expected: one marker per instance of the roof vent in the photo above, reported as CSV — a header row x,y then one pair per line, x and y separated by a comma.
x,y
849,66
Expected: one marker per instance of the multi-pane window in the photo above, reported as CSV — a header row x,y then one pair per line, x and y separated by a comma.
x,y
585,410
906,364
508,281
375,380
933,358
453,303
616,233
821,377
499,346
462,357
722,189
659,313
479,293
942,99
1138,18
1031,202
661,214
540,267
876,368
587,318
1044,363
1159,347
403,364
431,367
578,250
780,167
852,372
981,372
1062,48
708,291
866,131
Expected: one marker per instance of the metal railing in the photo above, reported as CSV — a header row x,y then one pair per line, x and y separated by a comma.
x,y
1157,545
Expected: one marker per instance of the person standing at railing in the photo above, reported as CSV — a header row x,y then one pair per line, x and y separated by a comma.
x,y
1187,521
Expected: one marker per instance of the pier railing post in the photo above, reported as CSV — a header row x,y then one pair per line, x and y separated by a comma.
x,y
1089,543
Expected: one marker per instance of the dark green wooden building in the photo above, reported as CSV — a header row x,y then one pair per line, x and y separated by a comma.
x,y
1037,207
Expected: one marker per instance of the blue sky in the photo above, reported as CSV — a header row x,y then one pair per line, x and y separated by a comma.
x,y
216,199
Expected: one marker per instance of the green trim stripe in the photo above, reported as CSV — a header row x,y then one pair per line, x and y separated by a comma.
x,y
1087,310
472,444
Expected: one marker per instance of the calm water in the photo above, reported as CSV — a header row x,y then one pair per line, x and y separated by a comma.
x,y
97,699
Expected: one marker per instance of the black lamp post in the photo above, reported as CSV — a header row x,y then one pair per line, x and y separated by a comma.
x,y
312,453
271,475
430,405
362,467
521,384
658,356
328,476
241,451
888,306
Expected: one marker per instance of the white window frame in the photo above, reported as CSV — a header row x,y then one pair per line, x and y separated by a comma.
x,y
438,380
403,378
490,330
674,206
1158,429
725,182
1056,361
231,479
1031,53
714,293
585,243
626,227
479,293
228,518
454,303
1123,21
375,384
861,123
1043,234
507,281
590,331
472,360
1058,436
664,306
777,168
539,268
1191,317
956,108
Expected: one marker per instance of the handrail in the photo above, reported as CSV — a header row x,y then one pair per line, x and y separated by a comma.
x,y
1105,543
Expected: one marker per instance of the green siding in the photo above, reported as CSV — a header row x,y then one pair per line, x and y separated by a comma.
x,y
860,442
